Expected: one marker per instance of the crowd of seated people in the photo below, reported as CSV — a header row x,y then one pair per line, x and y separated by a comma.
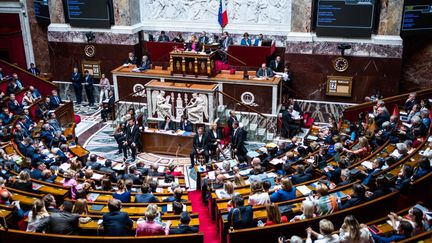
x,y
346,146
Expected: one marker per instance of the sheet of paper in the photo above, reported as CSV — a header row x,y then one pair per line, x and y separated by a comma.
x,y
303,190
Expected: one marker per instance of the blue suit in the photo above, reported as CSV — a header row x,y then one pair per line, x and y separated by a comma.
x,y
76,81
245,42
117,223
55,102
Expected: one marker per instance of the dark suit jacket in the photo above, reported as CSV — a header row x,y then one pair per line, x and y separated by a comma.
x,y
12,89
225,43
261,73
238,140
278,68
55,102
60,223
183,229
89,80
117,223
170,125
133,136
146,198
145,65
15,108
300,178
203,39
355,200
133,61
188,127
200,145
34,71
231,121
163,38
93,165
76,79
212,138
23,149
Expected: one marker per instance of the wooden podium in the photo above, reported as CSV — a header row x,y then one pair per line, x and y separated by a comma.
x,y
192,63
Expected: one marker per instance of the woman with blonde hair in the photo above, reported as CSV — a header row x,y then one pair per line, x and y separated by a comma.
x,y
80,207
288,191
362,149
148,226
36,215
69,181
227,192
351,231
23,182
215,138
258,195
239,181
307,209
274,215
122,192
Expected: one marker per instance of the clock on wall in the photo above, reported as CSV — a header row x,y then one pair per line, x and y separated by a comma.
x,y
340,64
90,50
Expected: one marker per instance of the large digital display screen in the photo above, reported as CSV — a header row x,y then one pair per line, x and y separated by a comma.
x,y
345,18
417,17
89,13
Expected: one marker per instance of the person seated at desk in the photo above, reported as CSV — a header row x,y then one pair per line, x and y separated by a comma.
x,y
131,59
55,100
178,38
200,146
145,63
176,197
226,41
167,124
64,222
264,72
116,223
193,45
146,196
246,41
14,106
240,216
203,38
404,231
107,106
276,65
185,124
148,227
358,197
259,40
163,37
184,227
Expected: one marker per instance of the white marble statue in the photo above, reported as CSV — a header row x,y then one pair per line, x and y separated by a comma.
x,y
161,104
197,109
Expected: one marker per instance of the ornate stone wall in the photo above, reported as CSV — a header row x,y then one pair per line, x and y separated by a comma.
x,y
417,64
267,16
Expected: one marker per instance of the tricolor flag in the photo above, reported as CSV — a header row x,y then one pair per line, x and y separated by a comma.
x,y
223,14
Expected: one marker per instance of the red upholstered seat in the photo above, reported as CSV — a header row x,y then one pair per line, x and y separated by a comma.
x,y
77,119
219,65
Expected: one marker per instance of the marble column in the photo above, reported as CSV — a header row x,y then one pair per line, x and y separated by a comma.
x,y
301,15
56,11
390,17
126,12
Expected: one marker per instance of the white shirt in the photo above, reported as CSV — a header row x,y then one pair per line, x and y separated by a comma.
x,y
258,199
325,239
365,236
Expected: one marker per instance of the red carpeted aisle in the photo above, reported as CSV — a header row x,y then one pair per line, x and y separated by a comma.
x,y
207,225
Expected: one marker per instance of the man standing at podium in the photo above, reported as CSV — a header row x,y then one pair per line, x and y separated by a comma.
x,y
200,147
203,39
226,41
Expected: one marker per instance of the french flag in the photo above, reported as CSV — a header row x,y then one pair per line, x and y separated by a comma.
x,y
223,14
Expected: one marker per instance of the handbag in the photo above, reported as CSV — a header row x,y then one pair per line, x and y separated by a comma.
x,y
231,229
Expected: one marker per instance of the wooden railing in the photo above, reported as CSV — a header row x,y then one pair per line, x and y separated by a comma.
x,y
351,113
27,78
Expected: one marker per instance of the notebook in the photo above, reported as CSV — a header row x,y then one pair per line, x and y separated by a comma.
x,y
36,186
92,196
97,207
304,190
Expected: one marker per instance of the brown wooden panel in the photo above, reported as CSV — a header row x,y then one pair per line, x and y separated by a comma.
x,y
167,144
261,94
